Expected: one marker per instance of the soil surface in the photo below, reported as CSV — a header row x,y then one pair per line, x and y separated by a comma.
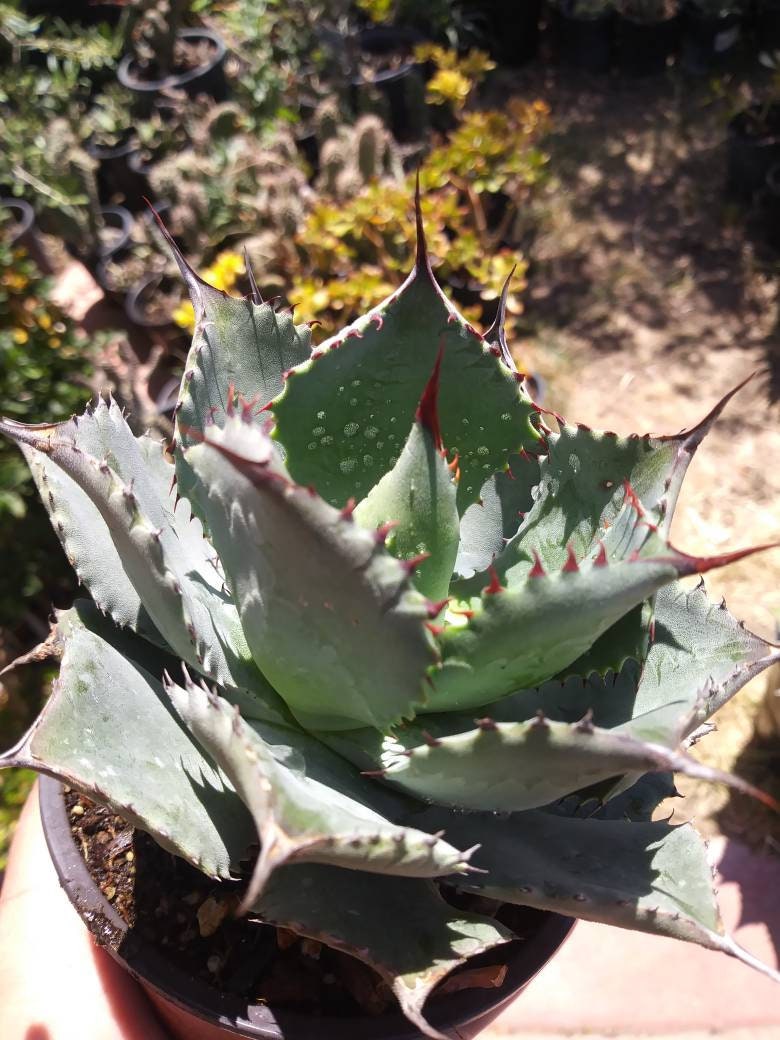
x,y
191,919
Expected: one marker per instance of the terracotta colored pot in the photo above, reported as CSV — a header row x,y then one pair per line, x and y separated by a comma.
x,y
195,1012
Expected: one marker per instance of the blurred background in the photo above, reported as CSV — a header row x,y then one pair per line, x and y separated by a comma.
x,y
617,160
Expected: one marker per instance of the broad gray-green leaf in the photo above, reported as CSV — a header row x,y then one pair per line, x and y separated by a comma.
x,y
510,638
418,496
311,808
330,616
400,926
186,604
343,415
650,877
510,767
102,433
109,730
487,525
583,489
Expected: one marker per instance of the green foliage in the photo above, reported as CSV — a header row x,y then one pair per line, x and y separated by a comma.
x,y
44,370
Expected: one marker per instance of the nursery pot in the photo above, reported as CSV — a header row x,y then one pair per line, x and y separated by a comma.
x,y
708,42
194,1011
23,231
137,298
753,147
118,175
75,11
208,78
645,47
584,43
403,91
513,30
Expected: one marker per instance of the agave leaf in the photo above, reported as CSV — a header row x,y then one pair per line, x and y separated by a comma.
x,y
487,525
339,417
400,926
513,766
310,808
102,433
650,877
418,496
191,612
331,618
109,731
586,479
516,637
700,653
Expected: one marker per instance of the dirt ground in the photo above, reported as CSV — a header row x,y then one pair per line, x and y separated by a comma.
x,y
650,296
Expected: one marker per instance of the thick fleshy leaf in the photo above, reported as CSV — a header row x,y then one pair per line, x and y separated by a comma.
x,y
418,497
490,523
311,807
343,415
180,592
101,432
583,489
700,653
651,877
510,766
109,731
400,926
330,616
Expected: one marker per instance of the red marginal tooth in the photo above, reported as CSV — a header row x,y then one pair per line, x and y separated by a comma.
x,y
652,631
495,585
316,354
414,562
632,499
428,408
355,334
451,318
453,466
495,351
382,532
349,509
601,558
537,571
378,321
435,630
434,609
230,398
570,567
468,614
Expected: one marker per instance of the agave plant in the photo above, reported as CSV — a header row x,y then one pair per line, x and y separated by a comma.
x,y
373,588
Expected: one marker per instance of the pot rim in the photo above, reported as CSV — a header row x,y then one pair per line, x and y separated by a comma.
x,y
27,216
129,79
124,224
259,1021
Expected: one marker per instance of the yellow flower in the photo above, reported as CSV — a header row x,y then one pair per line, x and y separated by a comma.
x,y
20,336
45,322
54,342
448,85
184,316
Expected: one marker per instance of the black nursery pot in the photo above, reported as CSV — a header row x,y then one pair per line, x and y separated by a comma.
x,y
753,148
644,48
771,208
513,30
74,11
584,43
403,91
202,1013
708,43
208,78
119,175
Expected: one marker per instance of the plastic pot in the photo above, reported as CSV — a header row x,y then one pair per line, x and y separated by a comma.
x,y
644,48
119,219
403,91
753,148
708,42
513,30
208,78
117,174
74,11
584,43
196,1012
24,219
134,303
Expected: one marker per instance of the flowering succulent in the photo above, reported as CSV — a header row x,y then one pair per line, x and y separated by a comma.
x,y
379,617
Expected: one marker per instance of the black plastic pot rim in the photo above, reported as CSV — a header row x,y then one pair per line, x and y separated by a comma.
x,y
124,220
134,309
132,81
26,221
387,76
117,151
259,1021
